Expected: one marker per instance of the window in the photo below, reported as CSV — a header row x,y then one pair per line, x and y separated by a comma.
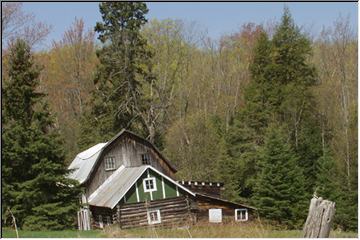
x,y
154,216
149,184
145,159
241,214
109,163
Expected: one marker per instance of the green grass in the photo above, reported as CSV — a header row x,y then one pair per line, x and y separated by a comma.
x,y
200,230
207,230
10,233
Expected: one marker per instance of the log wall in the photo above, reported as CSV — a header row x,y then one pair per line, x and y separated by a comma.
x,y
173,211
228,210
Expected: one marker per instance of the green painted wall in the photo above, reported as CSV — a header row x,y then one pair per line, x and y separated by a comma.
x,y
170,189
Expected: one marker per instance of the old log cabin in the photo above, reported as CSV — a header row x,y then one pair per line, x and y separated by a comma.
x,y
128,181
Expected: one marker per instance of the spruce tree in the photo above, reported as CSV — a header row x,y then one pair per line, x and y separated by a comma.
x,y
279,190
280,91
124,67
34,184
239,171
291,70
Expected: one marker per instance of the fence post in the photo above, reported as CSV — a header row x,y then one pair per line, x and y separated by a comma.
x,y
319,219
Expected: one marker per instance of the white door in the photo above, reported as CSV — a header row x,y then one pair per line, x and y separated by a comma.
x,y
215,215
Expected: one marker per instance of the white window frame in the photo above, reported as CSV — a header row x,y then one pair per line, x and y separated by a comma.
x,y
242,210
147,158
154,184
110,163
157,215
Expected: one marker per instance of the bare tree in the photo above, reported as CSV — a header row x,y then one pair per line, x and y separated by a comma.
x,y
18,24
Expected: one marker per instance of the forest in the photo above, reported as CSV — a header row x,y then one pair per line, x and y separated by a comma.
x,y
269,110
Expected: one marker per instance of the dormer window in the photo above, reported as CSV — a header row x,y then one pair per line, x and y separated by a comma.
x,y
145,158
109,163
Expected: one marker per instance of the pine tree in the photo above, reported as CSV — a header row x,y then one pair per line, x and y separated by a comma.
x,y
124,68
35,186
279,191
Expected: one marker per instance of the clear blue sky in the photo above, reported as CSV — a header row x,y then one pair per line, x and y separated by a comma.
x,y
216,18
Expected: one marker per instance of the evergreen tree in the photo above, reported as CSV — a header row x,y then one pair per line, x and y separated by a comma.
x,y
34,184
279,91
123,70
291,71
279,191
239,171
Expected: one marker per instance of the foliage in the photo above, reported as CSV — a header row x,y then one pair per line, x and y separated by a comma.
x,y
33,160
207,103
124,68
196,148
279,190
68,68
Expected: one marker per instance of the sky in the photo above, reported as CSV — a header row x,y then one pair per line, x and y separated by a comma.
x,y
216,18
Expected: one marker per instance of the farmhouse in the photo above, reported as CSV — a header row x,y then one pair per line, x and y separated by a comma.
x,y
129,182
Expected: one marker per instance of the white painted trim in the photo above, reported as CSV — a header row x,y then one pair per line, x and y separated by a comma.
x,y
158,216
153,179
163,187
137,193
154,184
177,191
156,171
171,180
246,215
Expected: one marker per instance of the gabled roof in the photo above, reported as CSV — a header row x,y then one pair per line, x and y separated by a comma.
x,y
85,162
119,183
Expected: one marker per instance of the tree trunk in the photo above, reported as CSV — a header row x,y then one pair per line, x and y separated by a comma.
x,y
319,220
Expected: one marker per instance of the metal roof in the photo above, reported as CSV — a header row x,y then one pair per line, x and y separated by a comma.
x,y
119,183
83,163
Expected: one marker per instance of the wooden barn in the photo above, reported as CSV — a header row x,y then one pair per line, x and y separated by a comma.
x,y
128,182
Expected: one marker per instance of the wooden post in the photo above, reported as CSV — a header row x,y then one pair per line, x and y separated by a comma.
x,y
319,220
14,222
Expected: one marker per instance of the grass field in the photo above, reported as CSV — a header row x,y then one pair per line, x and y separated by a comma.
x,y
230,230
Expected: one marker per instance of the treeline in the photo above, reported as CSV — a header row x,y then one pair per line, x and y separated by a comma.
x,y
268,110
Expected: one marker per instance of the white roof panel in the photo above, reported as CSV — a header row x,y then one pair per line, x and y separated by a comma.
x,y
84,162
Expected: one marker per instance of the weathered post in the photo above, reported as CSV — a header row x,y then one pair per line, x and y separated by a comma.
x,y
319,220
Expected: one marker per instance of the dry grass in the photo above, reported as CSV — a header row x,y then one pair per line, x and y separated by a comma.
x,y
228,230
